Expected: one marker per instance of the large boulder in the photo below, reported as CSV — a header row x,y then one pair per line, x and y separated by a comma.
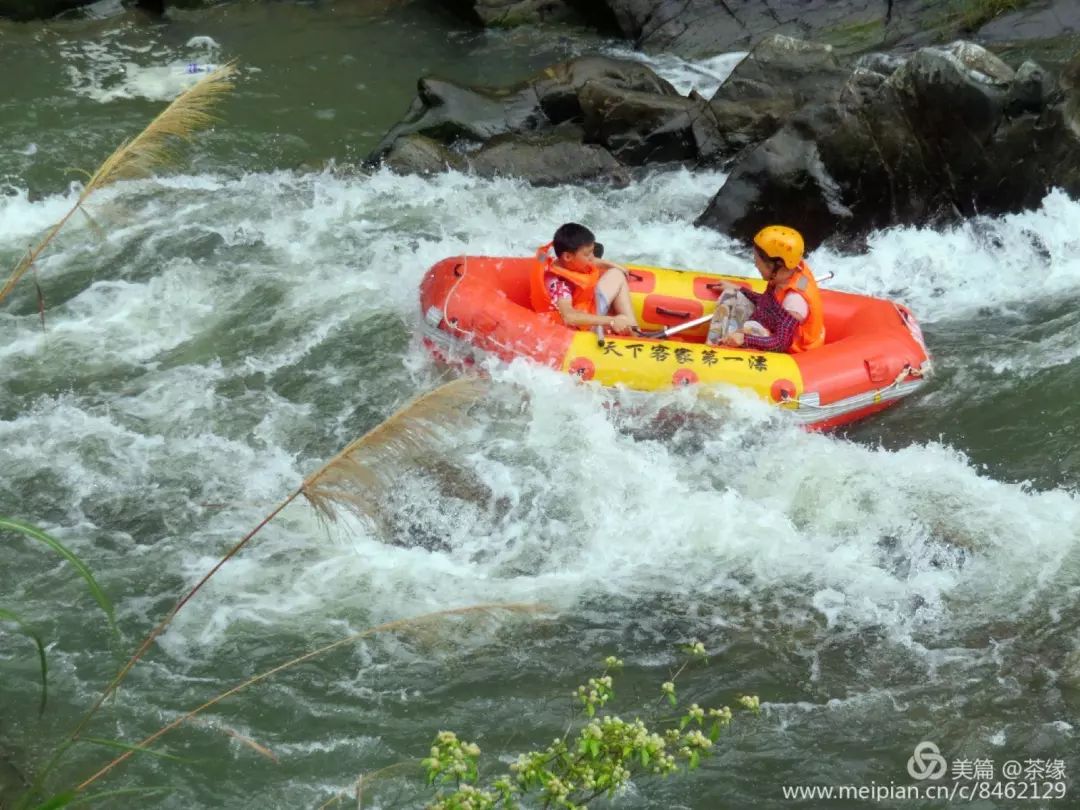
x,y
777,78
640,128
546,159
952,132
543,159
419,154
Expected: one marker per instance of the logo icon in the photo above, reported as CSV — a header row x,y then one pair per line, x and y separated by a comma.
x,y
926,762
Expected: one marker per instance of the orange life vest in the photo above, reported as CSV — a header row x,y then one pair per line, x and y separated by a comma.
x,y
811,332
583,286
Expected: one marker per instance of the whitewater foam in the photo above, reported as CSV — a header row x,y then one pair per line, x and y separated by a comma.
x,y
237,332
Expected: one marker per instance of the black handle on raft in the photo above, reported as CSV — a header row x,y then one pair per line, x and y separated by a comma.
x,y
634,276
672,313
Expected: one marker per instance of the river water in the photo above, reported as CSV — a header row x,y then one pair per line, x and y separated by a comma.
x,y
244,317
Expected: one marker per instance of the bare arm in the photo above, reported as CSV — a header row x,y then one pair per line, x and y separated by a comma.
x,y
604,264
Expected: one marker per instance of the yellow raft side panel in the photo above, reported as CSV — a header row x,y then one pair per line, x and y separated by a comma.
x,y
653,365
680,283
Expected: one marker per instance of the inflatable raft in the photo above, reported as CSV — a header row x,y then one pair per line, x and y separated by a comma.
x,y
874,354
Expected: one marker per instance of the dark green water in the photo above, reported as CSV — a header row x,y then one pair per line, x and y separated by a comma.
x,y
243,319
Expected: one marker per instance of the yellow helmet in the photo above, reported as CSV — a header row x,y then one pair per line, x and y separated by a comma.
x,y
781,242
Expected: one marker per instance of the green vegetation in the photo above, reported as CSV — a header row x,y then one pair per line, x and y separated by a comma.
x,y
857,36
7,615
970,15
606,753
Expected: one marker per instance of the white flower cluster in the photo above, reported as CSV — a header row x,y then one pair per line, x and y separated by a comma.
x,y
751,702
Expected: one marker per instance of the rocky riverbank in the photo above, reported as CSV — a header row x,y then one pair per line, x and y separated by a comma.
x,y
943,133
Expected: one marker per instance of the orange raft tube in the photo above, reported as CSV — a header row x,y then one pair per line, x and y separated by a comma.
x,y
873,356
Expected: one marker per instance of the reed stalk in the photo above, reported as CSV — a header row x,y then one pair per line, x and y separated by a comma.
x,y
138,157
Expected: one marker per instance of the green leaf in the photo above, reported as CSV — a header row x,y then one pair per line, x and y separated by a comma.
x,y
714,732
35,533
682,723
583,746
93,797
694,759
590,710
138,749
59,800
671,699
644,758
594,748
25,629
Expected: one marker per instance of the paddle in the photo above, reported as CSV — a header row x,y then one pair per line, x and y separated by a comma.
x,y
668,331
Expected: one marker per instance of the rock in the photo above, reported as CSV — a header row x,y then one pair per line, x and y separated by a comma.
x,y
940,138
507,13
884,64
558,86
980,63
778,77
639,127
1070,85
449,112
24,10
546,159
419,154
1029,90
577,119
698,28
520,12
1045,20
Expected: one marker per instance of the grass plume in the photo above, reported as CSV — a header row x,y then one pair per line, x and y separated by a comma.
x,y
345,479
151,149
354,477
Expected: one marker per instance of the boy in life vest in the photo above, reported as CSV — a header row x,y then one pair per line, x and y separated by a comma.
x,y
578,287
788,316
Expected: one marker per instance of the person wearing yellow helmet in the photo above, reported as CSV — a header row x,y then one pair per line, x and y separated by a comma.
x,y
788,316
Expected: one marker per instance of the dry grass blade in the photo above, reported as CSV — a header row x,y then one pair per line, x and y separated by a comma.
x,y
353,478
258,748
388,627
150,149
254,746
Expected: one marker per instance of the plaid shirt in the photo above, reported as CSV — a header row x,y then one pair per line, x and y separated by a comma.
x,y
781,324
